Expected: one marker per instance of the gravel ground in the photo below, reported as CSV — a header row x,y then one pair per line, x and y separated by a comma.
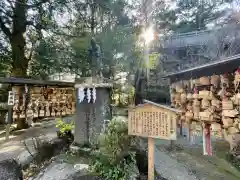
x,y
187,162
170,168
156,178
167,167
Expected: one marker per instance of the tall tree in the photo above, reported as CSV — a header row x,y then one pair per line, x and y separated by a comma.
x,y
5,57
111,27
19,19
22,23
90,13
185,16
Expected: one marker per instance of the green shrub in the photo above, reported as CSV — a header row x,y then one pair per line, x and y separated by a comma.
x,y
64,127
114,159
234,156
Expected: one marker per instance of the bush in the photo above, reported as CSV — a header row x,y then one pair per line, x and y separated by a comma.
x,y
65,128
114,159
234,156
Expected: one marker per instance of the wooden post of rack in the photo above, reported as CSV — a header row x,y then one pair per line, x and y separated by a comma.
x,y
189,132
181,124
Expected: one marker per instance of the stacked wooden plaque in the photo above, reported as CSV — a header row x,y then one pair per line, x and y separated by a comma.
x,y
213,100
37,102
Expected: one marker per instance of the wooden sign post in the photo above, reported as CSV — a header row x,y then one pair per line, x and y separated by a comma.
x,y
152,120
151,157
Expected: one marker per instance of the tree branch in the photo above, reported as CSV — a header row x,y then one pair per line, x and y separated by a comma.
x,y
6,30
31,52
7,13
65,34
28,5
10,3
37,4
31,23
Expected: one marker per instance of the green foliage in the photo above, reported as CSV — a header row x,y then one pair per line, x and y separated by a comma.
x,y
5,58
122,97
234,160
234,156
81,61
109,24
32,17
188,15
115,160
64,127
45,54
54,46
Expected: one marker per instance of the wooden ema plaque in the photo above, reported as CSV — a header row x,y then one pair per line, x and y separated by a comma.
x,y
148,120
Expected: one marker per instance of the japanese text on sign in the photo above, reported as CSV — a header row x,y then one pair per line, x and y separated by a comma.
x,y
10,98
152,122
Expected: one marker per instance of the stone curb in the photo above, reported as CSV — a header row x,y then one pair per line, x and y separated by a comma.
x,y
25,158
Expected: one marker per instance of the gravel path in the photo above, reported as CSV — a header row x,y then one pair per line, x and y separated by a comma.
x,y
186,162
170,168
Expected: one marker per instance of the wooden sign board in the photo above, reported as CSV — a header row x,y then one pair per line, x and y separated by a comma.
x,y
150,120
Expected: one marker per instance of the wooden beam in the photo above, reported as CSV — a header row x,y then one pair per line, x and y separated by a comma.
x,y
23,81
218,67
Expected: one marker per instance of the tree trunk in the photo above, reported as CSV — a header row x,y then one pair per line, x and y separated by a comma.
x,y
119,98
92,24
18,43
140,87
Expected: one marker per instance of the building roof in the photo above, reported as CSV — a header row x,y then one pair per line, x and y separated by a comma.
x,y
162,106
217,67
94,85
202,37
23,81
93,82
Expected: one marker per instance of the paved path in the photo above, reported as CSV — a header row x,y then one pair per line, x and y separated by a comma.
x,y
15,147
167,166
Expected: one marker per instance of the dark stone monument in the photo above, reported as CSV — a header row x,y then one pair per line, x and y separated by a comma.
x,y
93,109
